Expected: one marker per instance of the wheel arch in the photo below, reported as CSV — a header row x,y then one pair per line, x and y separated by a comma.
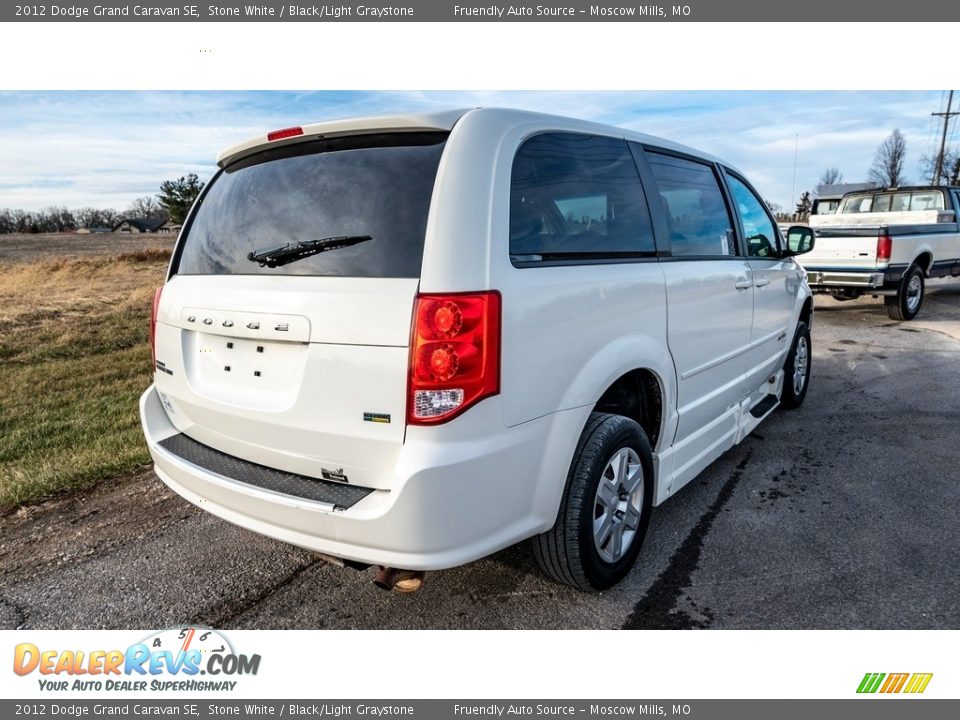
x,y
638,395
630,362
925,261
806,311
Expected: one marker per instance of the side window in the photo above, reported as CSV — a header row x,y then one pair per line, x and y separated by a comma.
x,y
691,199
576,196
758,229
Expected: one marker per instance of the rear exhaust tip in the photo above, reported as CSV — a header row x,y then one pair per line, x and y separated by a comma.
x,y
398,580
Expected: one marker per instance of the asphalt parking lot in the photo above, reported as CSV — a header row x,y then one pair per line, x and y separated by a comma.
x,y
842,514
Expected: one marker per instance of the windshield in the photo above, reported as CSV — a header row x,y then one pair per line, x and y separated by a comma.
x,y
376,186
894,202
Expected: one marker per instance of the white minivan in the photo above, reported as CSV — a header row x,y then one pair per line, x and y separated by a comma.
x,y
411,341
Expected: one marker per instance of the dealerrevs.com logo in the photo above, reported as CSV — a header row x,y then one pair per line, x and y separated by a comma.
x,y
178,659
910,683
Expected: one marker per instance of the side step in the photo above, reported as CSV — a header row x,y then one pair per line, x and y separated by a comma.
x,y
764,406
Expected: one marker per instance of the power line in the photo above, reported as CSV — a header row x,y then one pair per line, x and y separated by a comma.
x,y
943,138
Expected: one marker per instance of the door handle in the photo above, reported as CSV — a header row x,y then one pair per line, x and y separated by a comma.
x,y
743,284
761,282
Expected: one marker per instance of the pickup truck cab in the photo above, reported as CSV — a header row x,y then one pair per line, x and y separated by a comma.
x,y
885,243
414,340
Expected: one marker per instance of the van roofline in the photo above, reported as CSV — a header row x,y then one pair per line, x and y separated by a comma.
x,y
445,121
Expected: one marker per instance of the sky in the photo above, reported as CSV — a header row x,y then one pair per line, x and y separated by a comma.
x,y
105,149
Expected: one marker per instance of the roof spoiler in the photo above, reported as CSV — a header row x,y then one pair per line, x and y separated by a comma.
x,y
443,121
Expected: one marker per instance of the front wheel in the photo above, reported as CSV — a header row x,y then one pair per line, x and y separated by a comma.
x,y
605,509
906,303
796,371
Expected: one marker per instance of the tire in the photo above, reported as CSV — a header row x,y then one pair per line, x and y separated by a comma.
x,y
570,552
909,298
796,371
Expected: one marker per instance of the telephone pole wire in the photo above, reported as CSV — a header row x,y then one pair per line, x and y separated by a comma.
x,y
943,138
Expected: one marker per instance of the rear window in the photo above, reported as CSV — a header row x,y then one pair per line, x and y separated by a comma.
x,y
577,197
373,185
906,201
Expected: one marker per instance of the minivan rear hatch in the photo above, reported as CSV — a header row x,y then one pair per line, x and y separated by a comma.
x,y
282,334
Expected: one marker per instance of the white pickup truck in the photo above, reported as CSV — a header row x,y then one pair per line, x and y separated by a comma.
x,y
885,243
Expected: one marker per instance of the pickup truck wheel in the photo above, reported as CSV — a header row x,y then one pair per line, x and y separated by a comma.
x,y
796,371
605,509
906,303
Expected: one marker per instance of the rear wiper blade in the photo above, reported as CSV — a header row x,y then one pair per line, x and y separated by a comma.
x,y
291,252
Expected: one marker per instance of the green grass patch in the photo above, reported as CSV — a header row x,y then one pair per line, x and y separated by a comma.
x,y
74,359
67,423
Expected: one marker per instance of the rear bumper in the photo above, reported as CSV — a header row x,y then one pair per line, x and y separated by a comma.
x,y
459,492
839,279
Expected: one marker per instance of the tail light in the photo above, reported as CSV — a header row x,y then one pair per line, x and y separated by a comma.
x,y
285,133
884,247
454,355
153,326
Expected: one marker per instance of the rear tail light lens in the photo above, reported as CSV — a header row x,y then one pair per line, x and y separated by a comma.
x,y
285,133
884,247
454,355
153,326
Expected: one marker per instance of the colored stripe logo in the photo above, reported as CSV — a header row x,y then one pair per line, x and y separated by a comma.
x,y
912,683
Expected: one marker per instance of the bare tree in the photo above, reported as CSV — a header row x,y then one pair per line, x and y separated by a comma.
x,y
96,217
887,168
948,174
8,222
146,208
830,176
804,206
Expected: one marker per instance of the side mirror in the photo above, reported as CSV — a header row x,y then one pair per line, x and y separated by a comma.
x,y
800,240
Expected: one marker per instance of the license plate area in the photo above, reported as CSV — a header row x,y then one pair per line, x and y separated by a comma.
x,y
251,373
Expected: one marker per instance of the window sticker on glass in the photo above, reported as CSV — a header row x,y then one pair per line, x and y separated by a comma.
x,y
724,245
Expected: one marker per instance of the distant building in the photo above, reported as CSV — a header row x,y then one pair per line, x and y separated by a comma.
x,y
135,226
828,197
169,227
94,230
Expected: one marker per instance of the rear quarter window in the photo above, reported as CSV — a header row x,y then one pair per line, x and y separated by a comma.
x,y
577,197
376,185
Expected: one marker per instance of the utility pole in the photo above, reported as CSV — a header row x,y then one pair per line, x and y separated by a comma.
x,y
796,156
943,138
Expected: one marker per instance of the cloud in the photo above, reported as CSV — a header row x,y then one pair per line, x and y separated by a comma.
x,y
107,148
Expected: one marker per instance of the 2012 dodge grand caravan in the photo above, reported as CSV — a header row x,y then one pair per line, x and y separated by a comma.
x,y
411,341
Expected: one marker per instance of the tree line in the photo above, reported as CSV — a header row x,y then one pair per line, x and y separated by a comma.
x,y
171,203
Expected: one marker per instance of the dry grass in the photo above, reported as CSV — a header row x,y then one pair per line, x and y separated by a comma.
x,y
73,360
